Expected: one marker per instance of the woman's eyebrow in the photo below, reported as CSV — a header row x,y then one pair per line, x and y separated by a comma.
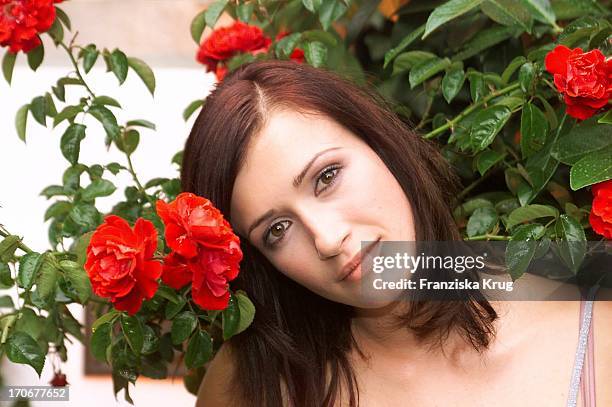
x,y
297,181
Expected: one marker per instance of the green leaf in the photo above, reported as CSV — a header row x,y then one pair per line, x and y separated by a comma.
x,y
141,123
199,350
6,279
477,85
508,12
47,277
534,129
541,10
483,40
407,60
36,56
70,143
315,53
321,36
286,45
574,244
197,26
606,118
169,294
530,212
330,11
108,120
63,17
144,71
85,215
22,348
482,221
426,70
8,65
129,141
453,81
521,249
151,340
526,76
247,311
119,65
68,113
487,124
78,278
8,246
106,318
193,106
182,327
173,308
38,108
56,32
7,302
30,323
100,341
312,5
214,11
594,168
581,141
50,105
487,159
106,100
409,39
447,12
244,11
90,55
133,331
29,265
512,67
21,120
231,319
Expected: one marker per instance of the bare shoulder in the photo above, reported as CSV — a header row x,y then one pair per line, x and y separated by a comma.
x,y
215,388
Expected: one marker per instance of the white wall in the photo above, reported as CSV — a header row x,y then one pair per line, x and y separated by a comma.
x,y
25,169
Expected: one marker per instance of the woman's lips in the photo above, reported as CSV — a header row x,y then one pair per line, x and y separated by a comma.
x,y
352,269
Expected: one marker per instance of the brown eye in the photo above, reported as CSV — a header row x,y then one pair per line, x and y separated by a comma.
x,y
275,233
327,177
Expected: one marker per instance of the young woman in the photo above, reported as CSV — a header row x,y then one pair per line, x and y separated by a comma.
x,y
306,166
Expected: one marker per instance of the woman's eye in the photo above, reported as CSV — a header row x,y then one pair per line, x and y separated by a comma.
x,y
327,177
276,232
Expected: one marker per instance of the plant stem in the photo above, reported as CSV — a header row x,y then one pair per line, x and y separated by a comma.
x,y
21,245
488,237
76,68
138,184
470,109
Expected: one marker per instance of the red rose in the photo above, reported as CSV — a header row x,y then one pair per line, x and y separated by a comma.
x,y
584,79
192,221
601,211
119,262
223,43
206,252
21,21
59,380
209,272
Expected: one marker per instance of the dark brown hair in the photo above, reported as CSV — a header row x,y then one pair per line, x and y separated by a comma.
x,y
298,337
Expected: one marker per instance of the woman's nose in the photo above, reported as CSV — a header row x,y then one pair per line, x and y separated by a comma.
x,y
329,235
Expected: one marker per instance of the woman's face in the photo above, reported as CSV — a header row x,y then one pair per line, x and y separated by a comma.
x,y
308,194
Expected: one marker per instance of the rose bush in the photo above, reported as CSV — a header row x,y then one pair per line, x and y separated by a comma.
x,y
515,94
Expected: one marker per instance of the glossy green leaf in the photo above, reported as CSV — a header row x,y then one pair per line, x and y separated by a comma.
x,y
90,55
70,143
28,269
534,129
46,278
231,318
8,65
247,311
144,72
286,45
582,140
606,118
78,279
68,113
407,60
182,327
508,12
486,125
193,106
483,40
119,65
447,12
100,341
521,249
515,64
312,5
39,109
481,221
107,119
425,70
487,159
541,10
330,11
531,212
573,246
199,350
214,11
22,348
36,56
21,120
453,81
409,39
593,168
526,77
98,188
133,331
141,123
315,53
197,26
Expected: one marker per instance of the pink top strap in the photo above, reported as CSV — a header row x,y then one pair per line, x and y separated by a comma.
x,y
587,381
